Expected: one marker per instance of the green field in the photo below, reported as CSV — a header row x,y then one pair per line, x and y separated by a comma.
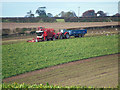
x,y
25,57
60,20
98,72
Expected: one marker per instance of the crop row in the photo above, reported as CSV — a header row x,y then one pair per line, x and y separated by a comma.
x,y
47,86
25,57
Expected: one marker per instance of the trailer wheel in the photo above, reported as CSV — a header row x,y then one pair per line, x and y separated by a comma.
x,y
67,36
80,35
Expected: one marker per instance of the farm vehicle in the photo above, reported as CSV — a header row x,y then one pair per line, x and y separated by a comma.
x,y
76,33
45,34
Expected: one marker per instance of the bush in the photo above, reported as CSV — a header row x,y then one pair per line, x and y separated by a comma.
x,y
5,32
32,32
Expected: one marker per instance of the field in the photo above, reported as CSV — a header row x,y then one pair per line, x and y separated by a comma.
x,y
90,32
25,57
57,26
97,72
60,20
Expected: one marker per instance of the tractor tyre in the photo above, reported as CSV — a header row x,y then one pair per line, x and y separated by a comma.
x,y
80,35
75,36
67,36
61,36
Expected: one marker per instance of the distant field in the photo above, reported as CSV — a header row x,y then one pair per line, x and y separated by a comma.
x,y
56,26
60,20
25,57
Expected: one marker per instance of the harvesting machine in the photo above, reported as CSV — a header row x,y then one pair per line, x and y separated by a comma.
x,y
45,34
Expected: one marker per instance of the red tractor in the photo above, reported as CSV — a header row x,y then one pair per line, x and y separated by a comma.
x,y
44,34
62,35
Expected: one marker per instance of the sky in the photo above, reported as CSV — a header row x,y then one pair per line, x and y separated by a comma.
x,y
12,8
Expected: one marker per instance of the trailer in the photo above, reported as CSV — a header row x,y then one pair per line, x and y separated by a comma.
x,y
65,34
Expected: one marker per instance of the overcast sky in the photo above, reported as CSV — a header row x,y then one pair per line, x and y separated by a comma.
x,y
19,8
59,1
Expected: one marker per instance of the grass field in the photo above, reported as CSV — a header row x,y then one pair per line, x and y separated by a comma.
x,y
60,20
25,57
97,72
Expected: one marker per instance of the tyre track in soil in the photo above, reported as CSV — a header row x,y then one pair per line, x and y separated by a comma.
x,y
27,77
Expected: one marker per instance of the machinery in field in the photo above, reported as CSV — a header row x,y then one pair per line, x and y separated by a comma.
x,y
67,33
45,34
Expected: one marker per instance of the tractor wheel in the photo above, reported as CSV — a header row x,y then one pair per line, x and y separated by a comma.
x,y
75,36
61,36
80,35
67,36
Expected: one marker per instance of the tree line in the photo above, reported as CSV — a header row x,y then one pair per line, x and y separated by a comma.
x,y
70,16
42,13
89,13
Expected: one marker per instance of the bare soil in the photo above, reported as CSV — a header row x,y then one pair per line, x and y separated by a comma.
x,y
57,26
98,72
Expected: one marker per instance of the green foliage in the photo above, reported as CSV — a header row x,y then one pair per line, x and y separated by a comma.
x,y
25,57
60,20
23,30
6,20
26,86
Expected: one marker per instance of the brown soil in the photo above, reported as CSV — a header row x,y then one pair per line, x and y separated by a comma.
x,y
56,26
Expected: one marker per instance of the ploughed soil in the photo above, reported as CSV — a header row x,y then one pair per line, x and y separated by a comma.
x,y
57,26
98,72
